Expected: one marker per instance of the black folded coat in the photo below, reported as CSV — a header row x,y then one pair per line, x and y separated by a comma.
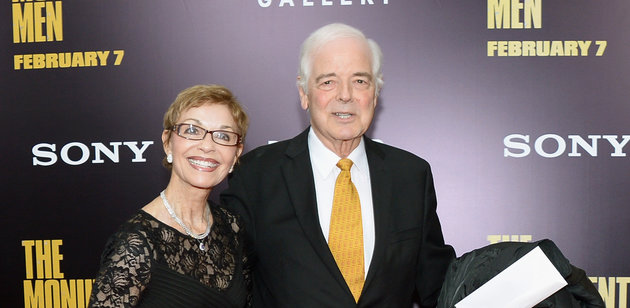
x,y
470,271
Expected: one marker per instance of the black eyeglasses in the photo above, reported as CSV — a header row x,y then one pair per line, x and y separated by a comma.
x,y
194,132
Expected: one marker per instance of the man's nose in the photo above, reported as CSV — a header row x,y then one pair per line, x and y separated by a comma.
x,y
344,93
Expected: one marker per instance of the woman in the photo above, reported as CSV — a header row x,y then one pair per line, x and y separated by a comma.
x,y
179,250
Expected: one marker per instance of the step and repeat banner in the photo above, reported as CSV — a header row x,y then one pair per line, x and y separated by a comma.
x,y
521,107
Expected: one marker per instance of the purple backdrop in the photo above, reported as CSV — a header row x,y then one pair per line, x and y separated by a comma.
x,y
503,133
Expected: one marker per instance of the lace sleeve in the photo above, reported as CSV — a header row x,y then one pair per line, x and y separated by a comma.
x,y
247,269
124,271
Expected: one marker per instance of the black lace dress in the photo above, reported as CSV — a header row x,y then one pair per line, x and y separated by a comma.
x,y
147,263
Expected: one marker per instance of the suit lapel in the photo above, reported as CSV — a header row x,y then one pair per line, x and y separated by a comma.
x,y
381,183
298,176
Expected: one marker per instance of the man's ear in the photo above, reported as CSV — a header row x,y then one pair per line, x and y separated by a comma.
x,y
303,96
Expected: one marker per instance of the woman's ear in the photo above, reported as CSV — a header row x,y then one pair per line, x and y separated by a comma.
x,y
239,151
166,141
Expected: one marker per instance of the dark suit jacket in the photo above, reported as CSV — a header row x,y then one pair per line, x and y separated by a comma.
x,y
273,190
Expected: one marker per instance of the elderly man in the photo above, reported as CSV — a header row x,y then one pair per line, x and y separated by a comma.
x,y
335,219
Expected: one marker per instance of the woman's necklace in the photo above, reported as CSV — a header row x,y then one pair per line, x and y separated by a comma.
x,y
198,237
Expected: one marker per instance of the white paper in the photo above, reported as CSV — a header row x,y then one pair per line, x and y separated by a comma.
x,y
525,283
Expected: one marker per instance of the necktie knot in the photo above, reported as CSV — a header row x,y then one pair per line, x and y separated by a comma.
x,y
344,164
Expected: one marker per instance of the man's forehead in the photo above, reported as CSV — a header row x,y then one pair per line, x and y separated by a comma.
x,y
342,57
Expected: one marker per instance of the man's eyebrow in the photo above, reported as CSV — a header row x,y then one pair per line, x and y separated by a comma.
x,y
322,76
363,74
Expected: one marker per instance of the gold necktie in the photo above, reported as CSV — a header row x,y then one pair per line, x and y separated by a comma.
x,y
345,238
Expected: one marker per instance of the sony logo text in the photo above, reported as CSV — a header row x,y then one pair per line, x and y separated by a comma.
x,y
553,145
44,154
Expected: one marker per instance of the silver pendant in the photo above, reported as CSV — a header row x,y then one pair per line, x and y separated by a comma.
x,y
202,246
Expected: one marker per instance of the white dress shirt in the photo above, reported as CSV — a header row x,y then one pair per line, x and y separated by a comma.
x,y
325,172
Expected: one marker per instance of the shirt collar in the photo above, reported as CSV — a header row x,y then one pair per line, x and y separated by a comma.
x,y
325,161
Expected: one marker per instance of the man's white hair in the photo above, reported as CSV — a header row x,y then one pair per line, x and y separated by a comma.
x,y
330,33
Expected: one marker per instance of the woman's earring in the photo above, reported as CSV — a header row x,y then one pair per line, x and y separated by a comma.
x,y
231,169
169,158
